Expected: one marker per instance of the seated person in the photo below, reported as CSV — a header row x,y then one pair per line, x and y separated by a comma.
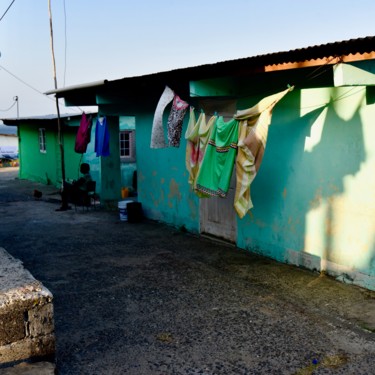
x,y
75,191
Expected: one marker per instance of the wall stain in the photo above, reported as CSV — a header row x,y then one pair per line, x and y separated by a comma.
x,y
260,223
193,208
316,201
174,190
285,192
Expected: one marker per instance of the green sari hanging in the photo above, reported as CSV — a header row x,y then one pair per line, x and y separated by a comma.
x,y
216,170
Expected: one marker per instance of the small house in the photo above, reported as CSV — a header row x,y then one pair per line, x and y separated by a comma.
x,y
40,152
313,202
8,145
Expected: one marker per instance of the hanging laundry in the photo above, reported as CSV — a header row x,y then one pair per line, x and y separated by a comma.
x,y
216,170
192,139
175,119
157,132
101,137
192,144
83,136
197,135
204,134
253,132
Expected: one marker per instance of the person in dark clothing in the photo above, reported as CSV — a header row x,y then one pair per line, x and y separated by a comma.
x,y
71,193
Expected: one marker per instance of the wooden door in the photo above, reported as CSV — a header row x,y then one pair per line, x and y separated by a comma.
x,y
218,216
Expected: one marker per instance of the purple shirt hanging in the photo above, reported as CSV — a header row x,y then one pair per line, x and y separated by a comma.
x,y
101,137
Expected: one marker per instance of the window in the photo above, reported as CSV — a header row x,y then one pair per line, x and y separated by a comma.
x,y
127,145
42,140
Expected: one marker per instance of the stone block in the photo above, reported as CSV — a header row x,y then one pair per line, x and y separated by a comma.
x,y
12,327
26,313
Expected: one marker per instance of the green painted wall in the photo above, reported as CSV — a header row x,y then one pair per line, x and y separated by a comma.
x,y
127,168
46,167
110,169
163,180
313,197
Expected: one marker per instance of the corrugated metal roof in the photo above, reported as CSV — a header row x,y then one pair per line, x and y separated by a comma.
x,y
323,51
348,47
52,117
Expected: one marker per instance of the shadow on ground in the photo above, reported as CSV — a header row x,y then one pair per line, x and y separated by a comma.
x,y
148,299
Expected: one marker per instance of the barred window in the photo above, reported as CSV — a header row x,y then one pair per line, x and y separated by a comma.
x,y
127,145
42,140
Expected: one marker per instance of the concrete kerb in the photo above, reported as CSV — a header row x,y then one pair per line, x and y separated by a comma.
x,y
26,314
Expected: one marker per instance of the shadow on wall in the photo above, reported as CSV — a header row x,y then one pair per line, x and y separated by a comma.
x,y
338,155
306,205
372,259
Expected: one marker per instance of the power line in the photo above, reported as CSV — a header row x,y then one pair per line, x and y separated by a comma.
x,y
8,109
22,81
33,88
7,10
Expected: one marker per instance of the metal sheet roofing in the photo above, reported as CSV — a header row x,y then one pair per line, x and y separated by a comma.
x,y
46,118
351,47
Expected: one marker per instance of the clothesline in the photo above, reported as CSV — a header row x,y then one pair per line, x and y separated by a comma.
x,y
342,96
214,147
83,136
309,77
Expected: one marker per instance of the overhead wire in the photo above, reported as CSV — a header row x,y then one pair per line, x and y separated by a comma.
x,y
322,69
22,81
33,88
8,109
7,10
312,74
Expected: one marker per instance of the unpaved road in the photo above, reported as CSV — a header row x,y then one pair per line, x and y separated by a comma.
x,y
147,299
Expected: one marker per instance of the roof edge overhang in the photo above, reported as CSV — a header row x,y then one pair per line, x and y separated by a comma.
x,y
77,87
42,119
325,54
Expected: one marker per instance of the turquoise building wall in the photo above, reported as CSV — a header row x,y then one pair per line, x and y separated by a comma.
x,y
314,201
313,196
163,185
127,168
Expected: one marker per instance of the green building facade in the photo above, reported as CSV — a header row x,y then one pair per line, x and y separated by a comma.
x,y
314,202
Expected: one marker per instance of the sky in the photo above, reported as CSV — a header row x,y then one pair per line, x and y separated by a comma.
x,y
112,39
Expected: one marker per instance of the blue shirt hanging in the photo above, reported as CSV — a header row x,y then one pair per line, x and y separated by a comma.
x,y
101,137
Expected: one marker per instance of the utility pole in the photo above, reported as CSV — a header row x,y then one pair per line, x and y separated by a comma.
x,y
59,128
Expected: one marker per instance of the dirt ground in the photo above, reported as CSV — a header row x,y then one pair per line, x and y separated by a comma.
x,y
147,298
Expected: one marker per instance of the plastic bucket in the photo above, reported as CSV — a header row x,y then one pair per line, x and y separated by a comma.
x,y
123,210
